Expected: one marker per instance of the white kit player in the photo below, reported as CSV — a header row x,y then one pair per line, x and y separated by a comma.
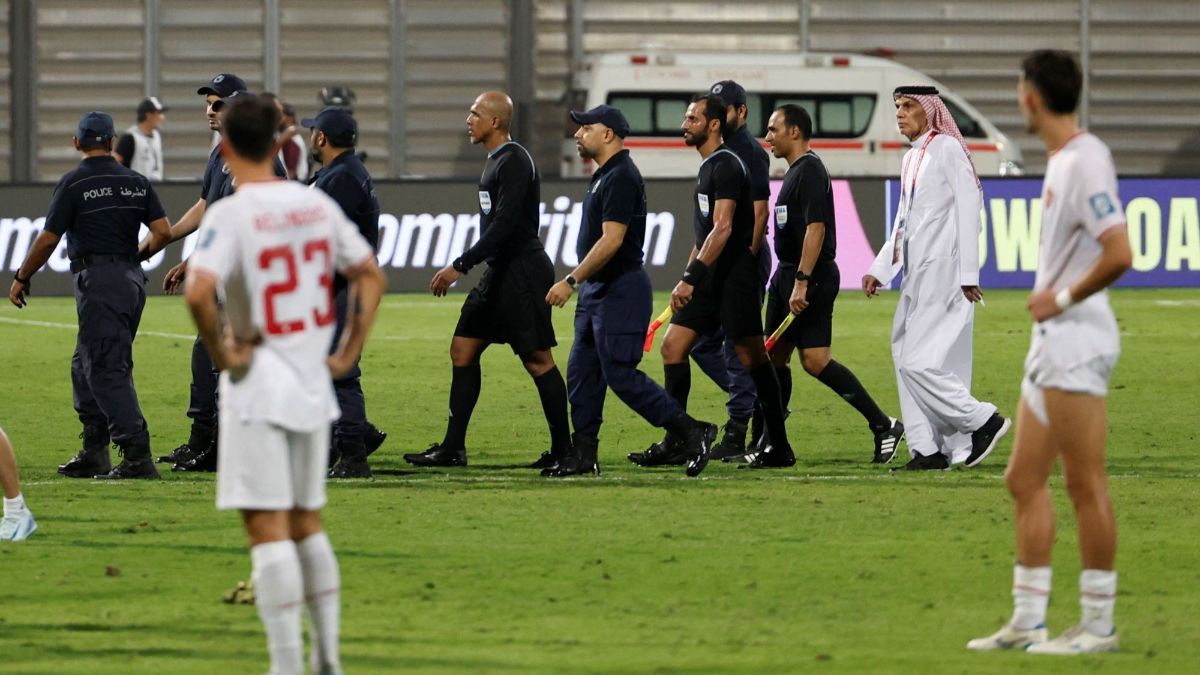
x,y
1084,249
271,249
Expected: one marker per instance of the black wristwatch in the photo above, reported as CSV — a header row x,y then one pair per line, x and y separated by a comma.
x,y
572,281
801,276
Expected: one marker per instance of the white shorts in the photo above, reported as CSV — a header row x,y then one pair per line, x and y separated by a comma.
x,y
264,467
1090,377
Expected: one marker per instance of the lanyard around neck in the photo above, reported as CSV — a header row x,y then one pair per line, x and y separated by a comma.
x,y
912,189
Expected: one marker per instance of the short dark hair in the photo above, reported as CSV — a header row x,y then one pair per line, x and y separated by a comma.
x,y
90,144
797,116
1056,76
714,109
249,124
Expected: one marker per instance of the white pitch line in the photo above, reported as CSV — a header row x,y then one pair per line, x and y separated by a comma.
x,y
71,326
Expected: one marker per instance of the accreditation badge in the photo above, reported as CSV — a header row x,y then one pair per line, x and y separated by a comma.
x,y
781,216
702,200
485,202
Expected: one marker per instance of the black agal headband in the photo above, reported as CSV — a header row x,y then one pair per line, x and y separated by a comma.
x,y
915,90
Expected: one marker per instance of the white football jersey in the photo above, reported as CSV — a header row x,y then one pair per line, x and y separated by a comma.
x,y
1079,204
274,247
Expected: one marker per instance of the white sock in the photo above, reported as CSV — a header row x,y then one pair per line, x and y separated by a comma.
x,y
1031,594
322,592
1097,595
279,595
14,506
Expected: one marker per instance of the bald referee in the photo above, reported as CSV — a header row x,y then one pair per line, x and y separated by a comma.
x,y
508,304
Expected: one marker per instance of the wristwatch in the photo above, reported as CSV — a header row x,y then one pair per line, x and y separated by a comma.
x,y
801,276
572,281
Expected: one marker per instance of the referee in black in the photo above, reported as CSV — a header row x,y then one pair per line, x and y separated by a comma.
x,y
721,285
508,304
345,179
614,302
100,206
806,281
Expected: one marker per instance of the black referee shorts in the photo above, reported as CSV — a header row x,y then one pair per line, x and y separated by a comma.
x,y
508,305
731,298
814,326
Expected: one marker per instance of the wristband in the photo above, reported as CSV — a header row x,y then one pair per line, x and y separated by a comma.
x,y
459,266
24,282
696,272
1063,299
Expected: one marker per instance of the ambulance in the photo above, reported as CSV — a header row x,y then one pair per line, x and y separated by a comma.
x,y
849,97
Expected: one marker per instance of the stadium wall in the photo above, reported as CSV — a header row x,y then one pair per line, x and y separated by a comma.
x,y
425,225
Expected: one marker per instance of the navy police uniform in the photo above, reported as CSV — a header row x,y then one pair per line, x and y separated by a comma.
x,y
347,181
727,298
100,207
614,307
508,304
805,197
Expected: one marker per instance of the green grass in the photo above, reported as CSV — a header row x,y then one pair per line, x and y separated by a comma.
x,y
833,566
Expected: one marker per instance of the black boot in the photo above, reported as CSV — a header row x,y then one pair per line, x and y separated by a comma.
x,y
667,452
137,463
203,460
733,442
438,455
548,460
353,459
373,437
579,460
200,438
93,458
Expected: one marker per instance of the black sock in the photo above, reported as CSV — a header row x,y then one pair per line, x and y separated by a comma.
x,y
784,375
767,384
464,392
680,426
678,381
839,378
756,424
553,392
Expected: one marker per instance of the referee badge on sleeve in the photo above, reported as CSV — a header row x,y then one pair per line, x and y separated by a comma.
x,y
702,200
781,216
485,202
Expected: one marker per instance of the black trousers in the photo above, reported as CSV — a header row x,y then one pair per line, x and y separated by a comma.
x,y
353,422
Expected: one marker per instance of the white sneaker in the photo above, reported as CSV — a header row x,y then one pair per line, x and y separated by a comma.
x,y
1009,637
18,527
1077,640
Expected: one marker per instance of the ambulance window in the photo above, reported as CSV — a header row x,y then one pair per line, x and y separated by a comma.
x,y
669,114
834,115
967,126
638,111
836,118
863,107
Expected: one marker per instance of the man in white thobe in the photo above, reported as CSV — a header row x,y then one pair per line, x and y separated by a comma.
x,y
935,241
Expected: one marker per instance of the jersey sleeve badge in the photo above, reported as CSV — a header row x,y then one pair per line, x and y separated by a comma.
x,y
485,202
781,216
1102,204
702,201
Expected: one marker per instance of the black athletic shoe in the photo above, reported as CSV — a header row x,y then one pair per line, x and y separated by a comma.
x,y
667,452
579,460
935,462
733,441
438,455
887,442
137,463
179,455
204,461
769,457
985,438
697,446
351,467
373,438
200,437
548,460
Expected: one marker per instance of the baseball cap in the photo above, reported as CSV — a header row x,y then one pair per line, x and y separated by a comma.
x,y
606,115
336,123
223,85
95,126
730,92
151,105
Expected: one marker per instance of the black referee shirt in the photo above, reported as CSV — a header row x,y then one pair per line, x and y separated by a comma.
x,y
756,159
805,197
510,197
616,194
724,176
218,182
100,206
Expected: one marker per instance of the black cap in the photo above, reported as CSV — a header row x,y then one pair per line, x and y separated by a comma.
x,y
95,126
151,105
730,92
336,123
606,115
219,104
915,90
223,85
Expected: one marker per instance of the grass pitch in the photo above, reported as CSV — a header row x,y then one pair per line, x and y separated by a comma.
x,y
832,566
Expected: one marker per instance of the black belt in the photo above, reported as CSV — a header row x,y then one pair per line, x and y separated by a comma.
x,y
83,262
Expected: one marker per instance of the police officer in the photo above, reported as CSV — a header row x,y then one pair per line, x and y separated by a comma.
x,y
100,206
199,453
345,179
614,300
